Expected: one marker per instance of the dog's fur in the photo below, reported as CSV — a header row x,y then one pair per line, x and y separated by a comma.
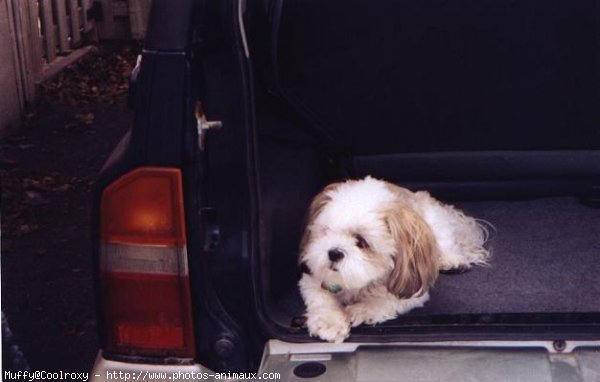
x,y
394,242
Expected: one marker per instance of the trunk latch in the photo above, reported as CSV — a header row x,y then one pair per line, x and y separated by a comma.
x,y
203,125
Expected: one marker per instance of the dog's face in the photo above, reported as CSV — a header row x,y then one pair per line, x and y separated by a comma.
x,y
362,232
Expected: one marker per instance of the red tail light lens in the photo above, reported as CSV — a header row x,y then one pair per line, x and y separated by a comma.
x,y
144,207
143,265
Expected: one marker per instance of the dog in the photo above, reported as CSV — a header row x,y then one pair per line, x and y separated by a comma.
x,y
371,250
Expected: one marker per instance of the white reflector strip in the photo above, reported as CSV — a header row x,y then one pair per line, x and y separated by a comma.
x,y
155,259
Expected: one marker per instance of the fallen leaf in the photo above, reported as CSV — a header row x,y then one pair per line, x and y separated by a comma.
x,y
35,198
9,162
63,188
102,78
69,331
70,126
48,180
26,228
31,183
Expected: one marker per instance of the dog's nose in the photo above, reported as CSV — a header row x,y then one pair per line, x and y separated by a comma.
x,y
335,255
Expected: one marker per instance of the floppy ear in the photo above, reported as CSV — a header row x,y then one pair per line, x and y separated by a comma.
x,y
315,208
415,264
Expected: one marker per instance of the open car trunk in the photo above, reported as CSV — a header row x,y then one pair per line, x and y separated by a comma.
x,y
544,265
490,106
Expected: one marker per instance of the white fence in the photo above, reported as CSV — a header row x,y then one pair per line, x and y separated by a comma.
x,y
45,32
61,24
38,38
44,37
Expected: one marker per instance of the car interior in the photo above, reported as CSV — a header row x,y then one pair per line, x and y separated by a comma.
x,y
490,106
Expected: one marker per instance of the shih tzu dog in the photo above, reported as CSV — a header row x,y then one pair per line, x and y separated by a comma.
x,y
371,250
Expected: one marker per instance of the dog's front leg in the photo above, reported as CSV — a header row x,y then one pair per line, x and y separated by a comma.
x,y
380,305
325,317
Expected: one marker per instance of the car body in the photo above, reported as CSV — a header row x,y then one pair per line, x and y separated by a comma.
x,y
245,110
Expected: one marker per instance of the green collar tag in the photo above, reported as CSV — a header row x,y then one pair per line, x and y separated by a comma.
x,y
333,288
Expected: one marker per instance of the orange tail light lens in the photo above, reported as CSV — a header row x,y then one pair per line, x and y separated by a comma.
x,y
143,265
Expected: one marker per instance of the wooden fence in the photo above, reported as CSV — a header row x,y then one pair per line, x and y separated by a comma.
x,y
49,35
41,37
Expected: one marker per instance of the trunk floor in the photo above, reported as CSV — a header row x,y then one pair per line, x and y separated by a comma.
x,y
545,259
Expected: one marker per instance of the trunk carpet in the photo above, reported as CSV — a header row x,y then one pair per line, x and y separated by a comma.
x,y
545,259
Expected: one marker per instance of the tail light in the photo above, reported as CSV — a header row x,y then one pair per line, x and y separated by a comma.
x,y
143,265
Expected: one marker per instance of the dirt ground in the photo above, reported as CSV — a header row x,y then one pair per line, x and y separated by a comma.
x,y
48,169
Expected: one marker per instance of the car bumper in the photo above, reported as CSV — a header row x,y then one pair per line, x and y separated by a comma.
x,y
108,370
497,361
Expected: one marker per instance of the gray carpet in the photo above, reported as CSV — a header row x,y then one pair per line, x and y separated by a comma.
x,y
545,258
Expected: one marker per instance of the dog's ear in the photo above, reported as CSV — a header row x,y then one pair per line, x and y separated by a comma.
x,y
415,261
315,208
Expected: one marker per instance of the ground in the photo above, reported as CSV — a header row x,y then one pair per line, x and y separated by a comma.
x,y
48,169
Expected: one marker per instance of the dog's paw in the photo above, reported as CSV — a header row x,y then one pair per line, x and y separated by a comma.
x,y
330,326
366,314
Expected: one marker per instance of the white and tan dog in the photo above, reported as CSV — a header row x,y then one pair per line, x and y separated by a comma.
x,y
371,250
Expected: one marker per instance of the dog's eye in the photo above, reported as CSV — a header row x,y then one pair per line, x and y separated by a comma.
x,y
361,242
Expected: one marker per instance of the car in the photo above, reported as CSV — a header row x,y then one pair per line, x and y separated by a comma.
x,y
244,110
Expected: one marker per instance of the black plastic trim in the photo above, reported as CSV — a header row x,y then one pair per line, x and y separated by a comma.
x,y
316,124
490,166
169,25
472,327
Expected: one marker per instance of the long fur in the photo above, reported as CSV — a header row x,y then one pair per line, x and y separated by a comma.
x,y
393,243
416,261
